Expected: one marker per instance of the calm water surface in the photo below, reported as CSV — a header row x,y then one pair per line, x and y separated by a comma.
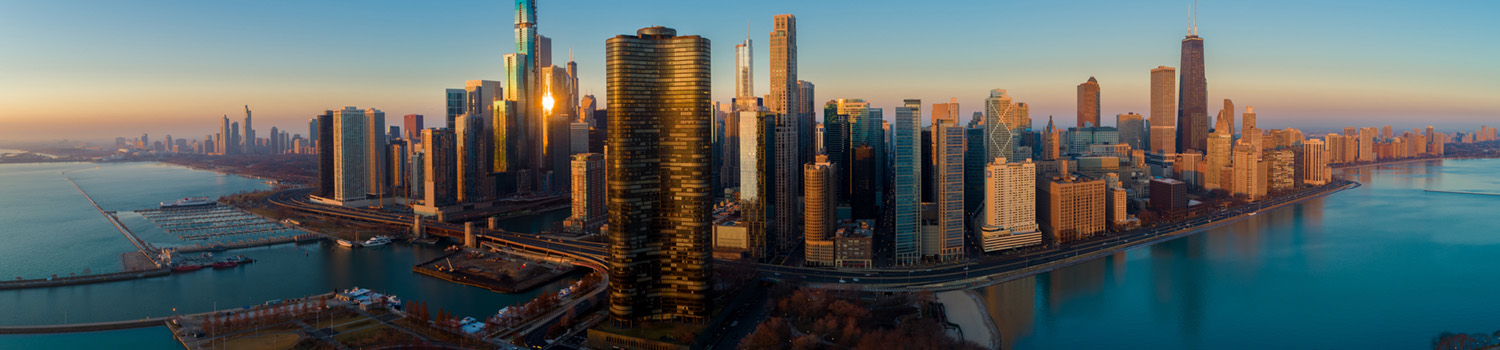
x,y
1385,265
50,228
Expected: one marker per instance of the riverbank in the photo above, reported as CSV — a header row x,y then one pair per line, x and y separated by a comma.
x,y
973,320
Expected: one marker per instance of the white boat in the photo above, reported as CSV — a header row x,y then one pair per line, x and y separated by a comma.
x,y
377,241
188,202
345,243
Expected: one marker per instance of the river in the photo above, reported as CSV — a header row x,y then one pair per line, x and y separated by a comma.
x,y
1385,265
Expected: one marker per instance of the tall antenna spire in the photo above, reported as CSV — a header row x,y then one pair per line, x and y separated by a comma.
x,y
570,54
1194,10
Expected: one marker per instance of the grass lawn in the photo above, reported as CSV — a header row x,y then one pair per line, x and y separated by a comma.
x,y
353,325
265,341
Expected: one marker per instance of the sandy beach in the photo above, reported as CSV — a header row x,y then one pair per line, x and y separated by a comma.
x,y
965,310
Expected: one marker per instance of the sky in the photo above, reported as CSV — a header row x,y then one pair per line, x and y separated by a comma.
x,y
98,69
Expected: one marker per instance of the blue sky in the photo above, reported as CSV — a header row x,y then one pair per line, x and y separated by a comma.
x,y
99,69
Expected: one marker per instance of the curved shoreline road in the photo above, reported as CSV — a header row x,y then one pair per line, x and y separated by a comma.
x,y
977,272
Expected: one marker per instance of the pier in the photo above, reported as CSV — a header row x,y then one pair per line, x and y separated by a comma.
x,y
1464,192
146,248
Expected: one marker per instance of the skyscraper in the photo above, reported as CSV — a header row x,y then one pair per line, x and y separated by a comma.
x,y
589,207
1088,104
375,143
818,212
787,176
1163,110
351,154
457,105
1192,99
1132,130
784,65
413,123
1004,122
249,133
658,138
744,76
1314,162
948,137
322,131
906,185
439,167
806,122
1226,117
758,141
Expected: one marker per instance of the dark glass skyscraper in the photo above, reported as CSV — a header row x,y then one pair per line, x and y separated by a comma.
x,y
1192,99
658,191
323,133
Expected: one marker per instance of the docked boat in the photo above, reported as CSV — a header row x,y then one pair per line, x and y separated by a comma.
x,y
345,243
378,241
187,268
188,202
225,264
241,259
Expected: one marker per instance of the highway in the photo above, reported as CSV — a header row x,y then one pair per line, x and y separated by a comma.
x,y
988,265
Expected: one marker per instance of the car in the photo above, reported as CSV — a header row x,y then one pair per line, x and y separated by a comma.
x,y
777,273
856,279
843,281
868,275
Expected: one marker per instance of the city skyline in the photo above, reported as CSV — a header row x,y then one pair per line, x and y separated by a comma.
x,y
1315,88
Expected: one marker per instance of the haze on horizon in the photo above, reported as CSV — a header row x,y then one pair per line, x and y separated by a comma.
x,y
96,70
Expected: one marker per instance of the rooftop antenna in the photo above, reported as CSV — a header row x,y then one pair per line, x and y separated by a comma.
x,y
570,54
1194,11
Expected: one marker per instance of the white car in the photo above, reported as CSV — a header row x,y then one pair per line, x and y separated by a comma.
x,y
843,281
856,280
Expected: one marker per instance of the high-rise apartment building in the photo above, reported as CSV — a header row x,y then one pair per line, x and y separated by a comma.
x,y
1192,98
1315,162
350,154
323,132
788,179
1164,109
758,141
1245,171
1071,208
1009,205
472,177
1366,144
375,143
784,98
658,135
1220,151
1226,117
590,210
818,212
948,138
906,183
439,168
1088,104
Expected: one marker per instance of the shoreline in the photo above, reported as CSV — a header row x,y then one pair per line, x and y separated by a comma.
x,y
966,310
998,278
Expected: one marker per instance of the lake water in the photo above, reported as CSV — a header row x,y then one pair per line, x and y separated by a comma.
x,y
50,228
1385,265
